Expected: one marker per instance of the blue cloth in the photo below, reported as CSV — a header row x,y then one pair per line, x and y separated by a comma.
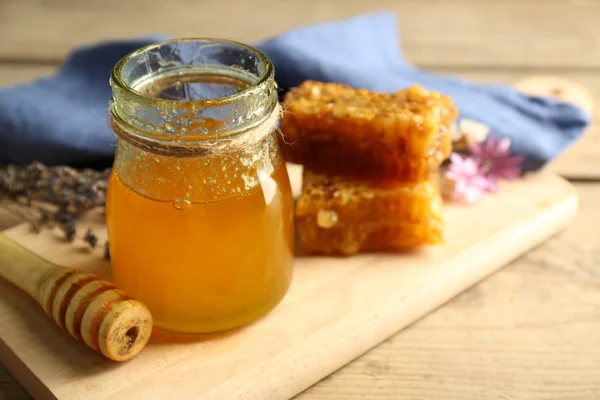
x,y
63,119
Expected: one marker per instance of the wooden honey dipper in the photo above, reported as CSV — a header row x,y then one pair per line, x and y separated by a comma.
x,y
89,308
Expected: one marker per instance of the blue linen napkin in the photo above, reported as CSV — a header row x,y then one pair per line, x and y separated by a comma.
x,y
63,119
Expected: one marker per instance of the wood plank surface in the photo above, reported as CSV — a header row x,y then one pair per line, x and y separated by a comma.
x,y
534,323
369,297
23,73
529,332
556,33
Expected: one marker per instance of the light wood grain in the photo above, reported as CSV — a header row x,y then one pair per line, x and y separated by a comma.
x,y
23,73
531,331
528,332
459,32
8,219
314,331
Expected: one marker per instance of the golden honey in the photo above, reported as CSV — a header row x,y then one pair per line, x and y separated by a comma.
x,y
203,238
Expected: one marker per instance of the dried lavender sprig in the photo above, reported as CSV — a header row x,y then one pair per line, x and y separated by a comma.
x,y
49,196
90,238
77,191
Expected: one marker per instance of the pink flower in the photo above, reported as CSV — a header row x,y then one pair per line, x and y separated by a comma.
x,y
468,178
495,161
464,180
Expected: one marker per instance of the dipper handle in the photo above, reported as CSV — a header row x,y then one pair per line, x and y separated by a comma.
x,y
89,308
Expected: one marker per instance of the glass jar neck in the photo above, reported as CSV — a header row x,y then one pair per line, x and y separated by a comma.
x,y
192,91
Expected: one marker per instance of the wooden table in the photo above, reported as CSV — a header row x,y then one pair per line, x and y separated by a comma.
x,y
530,331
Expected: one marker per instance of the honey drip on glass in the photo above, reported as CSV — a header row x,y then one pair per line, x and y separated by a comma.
x,y
205,242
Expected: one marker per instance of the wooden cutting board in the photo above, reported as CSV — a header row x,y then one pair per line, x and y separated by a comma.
x,y
336,309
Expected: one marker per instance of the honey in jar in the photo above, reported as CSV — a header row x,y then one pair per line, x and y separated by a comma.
x,y
199,206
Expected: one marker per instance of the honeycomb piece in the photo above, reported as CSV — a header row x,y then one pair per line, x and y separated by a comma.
x,y
404,135
338,215
348,159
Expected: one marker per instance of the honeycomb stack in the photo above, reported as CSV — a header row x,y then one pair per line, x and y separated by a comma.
x,y
371,164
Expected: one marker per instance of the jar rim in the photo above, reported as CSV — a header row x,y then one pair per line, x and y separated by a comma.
x,y
161,125
117,79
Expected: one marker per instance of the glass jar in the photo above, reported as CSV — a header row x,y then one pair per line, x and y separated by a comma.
x,y
199,206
